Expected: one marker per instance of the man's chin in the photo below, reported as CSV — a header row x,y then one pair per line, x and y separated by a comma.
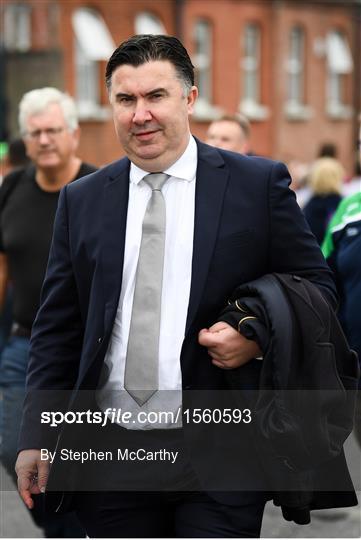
x,y
146,153
47,163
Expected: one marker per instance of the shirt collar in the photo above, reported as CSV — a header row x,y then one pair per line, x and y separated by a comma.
x,y
184,168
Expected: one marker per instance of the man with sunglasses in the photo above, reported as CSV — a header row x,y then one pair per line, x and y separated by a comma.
x,y
28,201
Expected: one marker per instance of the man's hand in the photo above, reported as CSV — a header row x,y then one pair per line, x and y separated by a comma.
x,y
32,475
227,347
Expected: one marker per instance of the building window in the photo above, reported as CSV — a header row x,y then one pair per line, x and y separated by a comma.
x,y
147,23
295,68
87,23
340,66
17,26
251,62
202,60
250,72
87,81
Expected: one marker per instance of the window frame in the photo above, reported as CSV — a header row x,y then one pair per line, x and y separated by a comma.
x,y
88,78
202,60
251,72
337,80
17,26
296,64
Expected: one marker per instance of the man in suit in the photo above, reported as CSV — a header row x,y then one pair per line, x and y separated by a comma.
x,y
106,303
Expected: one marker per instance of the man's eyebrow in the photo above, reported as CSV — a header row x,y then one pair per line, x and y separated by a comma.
x,y
150,93
123,94
156,91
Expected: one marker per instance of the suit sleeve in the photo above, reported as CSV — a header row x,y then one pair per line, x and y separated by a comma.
x,y
293,249
56,340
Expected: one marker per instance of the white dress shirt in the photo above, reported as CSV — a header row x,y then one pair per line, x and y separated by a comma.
x,y
179,195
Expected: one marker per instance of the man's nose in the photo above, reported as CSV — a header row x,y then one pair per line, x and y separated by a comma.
x,y
142,113
44,137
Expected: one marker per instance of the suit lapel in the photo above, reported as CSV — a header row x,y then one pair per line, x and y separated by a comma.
x,y
212,180
115,206
211,183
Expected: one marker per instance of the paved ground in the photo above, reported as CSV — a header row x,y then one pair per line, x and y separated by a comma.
x,y
338,523
15,521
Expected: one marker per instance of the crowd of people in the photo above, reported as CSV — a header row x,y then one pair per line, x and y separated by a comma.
x,y
114,292
29,197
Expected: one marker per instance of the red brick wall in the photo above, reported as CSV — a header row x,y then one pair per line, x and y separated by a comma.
x,y
301,139
98,143
275,136
229,18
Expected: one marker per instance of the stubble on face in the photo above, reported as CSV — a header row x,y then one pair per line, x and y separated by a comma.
x,y
151,112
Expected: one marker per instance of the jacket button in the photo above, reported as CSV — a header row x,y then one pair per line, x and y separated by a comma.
x,y
296,278
100,339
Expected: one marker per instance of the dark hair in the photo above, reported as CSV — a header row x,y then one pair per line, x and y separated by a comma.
x,y
140,49
328,149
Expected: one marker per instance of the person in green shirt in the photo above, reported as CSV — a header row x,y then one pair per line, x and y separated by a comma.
x,y
342,249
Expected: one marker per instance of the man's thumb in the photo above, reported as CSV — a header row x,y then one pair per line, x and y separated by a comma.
x,y
206,338
43,473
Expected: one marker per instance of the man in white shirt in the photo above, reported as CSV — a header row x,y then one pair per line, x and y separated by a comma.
x,y
209,228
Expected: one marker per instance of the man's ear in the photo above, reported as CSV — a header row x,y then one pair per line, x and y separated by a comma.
x,y
191,98
76,137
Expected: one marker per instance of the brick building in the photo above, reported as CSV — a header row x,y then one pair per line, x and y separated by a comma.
x,y
292,66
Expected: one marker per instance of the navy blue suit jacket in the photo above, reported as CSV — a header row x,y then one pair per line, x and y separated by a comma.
x,y
247,224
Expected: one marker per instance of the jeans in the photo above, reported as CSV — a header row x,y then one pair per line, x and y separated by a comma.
x,y
5,320
13,369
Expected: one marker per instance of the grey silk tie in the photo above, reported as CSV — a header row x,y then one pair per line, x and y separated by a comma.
x,y
141,367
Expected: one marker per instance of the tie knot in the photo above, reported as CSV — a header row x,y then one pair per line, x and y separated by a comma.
x,y
156,180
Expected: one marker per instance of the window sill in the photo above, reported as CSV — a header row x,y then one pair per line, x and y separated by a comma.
x,y
205,111
253,110
93,112
337,111
298,111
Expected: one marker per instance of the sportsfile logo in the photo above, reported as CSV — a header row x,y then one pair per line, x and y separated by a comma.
x,y
111,416
178,417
